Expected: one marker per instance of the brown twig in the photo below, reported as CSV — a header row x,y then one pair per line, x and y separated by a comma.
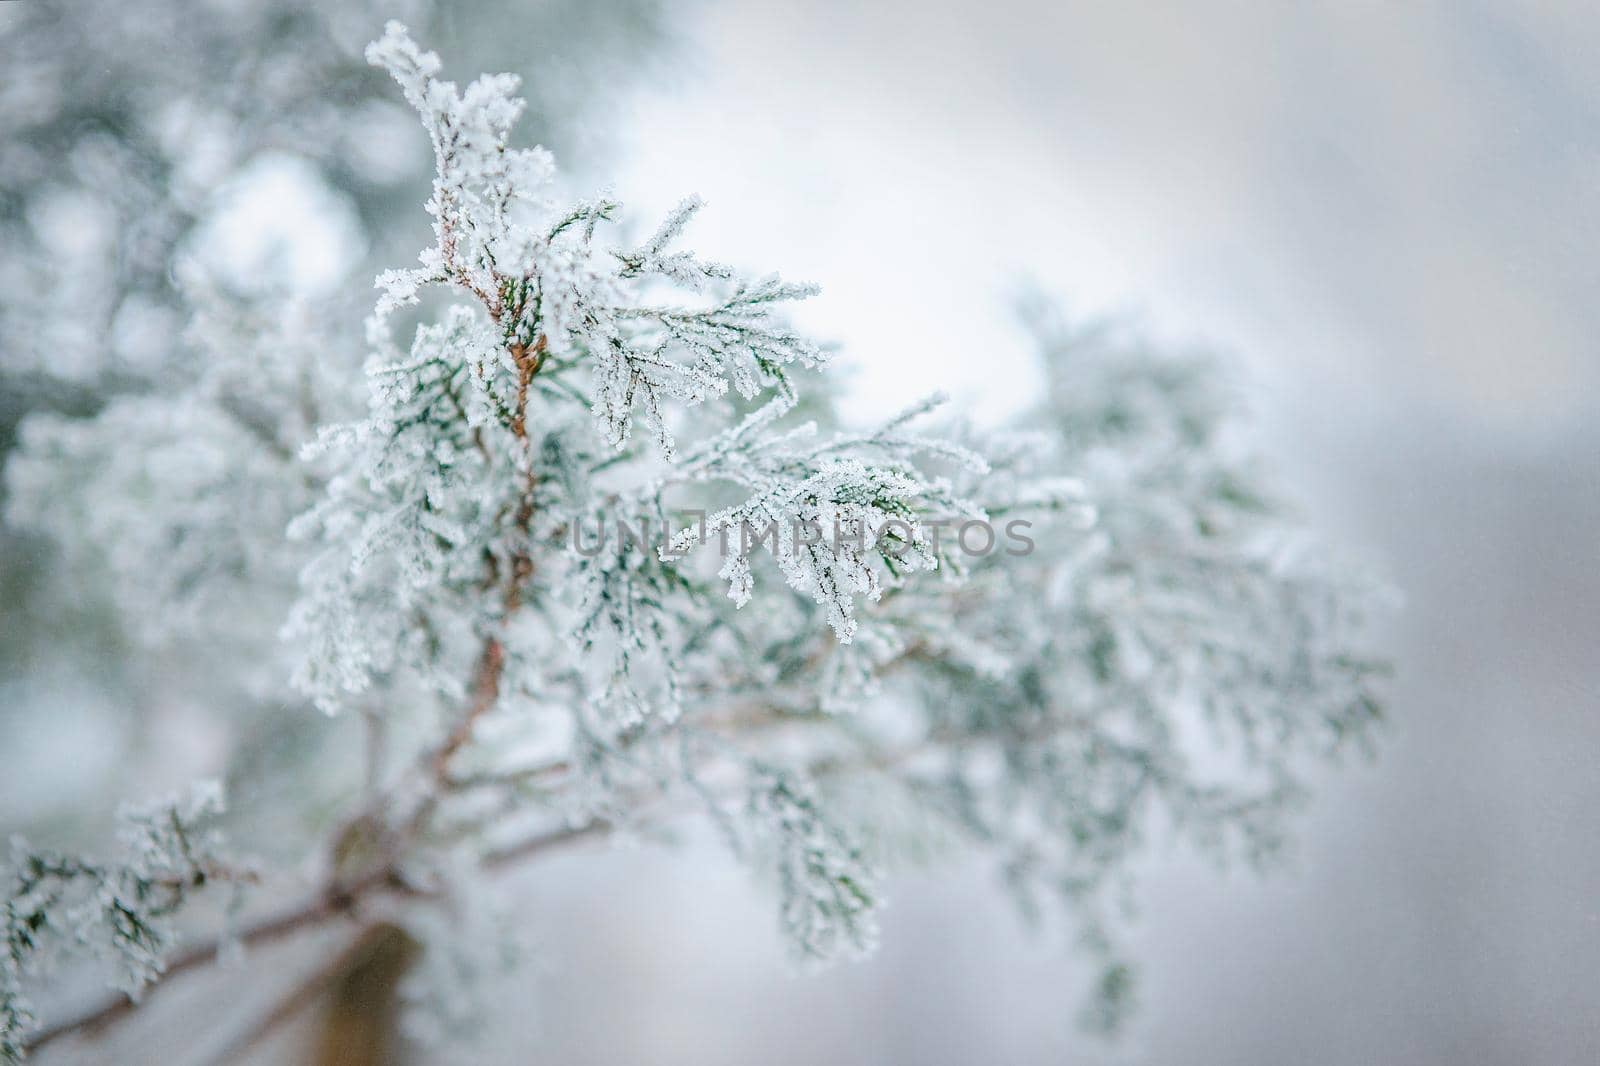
x,y
301,995
339,900
324,906
491,662
485,691
272,927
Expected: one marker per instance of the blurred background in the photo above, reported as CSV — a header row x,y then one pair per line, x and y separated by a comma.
x,y
1385,214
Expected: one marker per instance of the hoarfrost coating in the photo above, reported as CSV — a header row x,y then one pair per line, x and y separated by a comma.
x,y
521,694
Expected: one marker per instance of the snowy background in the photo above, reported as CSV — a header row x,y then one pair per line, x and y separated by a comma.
x,y
1387,215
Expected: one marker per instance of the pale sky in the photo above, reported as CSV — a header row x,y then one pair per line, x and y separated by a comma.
x,y
1391,204
1388,212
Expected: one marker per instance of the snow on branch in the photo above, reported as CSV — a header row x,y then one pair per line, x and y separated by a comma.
x,y
1046,642
121,912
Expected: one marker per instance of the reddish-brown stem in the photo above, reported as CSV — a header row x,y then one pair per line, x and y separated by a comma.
x,y
276,926
485,691
337,900
331,902
491,663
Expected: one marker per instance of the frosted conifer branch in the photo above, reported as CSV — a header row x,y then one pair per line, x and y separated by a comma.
x,y
457,574
121,913
830,894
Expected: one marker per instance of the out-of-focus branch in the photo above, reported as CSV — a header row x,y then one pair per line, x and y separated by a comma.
x,y
330,903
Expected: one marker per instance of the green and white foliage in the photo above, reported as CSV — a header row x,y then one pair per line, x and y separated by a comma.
x,y
127,127
120,913
840,645
439,575
1175,663
171,168
821,505
173,504
829,888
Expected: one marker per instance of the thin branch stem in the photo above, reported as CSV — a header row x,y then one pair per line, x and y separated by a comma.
x,y
303,993
324,906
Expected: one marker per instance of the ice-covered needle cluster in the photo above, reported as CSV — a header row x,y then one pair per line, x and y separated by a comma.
x,y
1165,658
